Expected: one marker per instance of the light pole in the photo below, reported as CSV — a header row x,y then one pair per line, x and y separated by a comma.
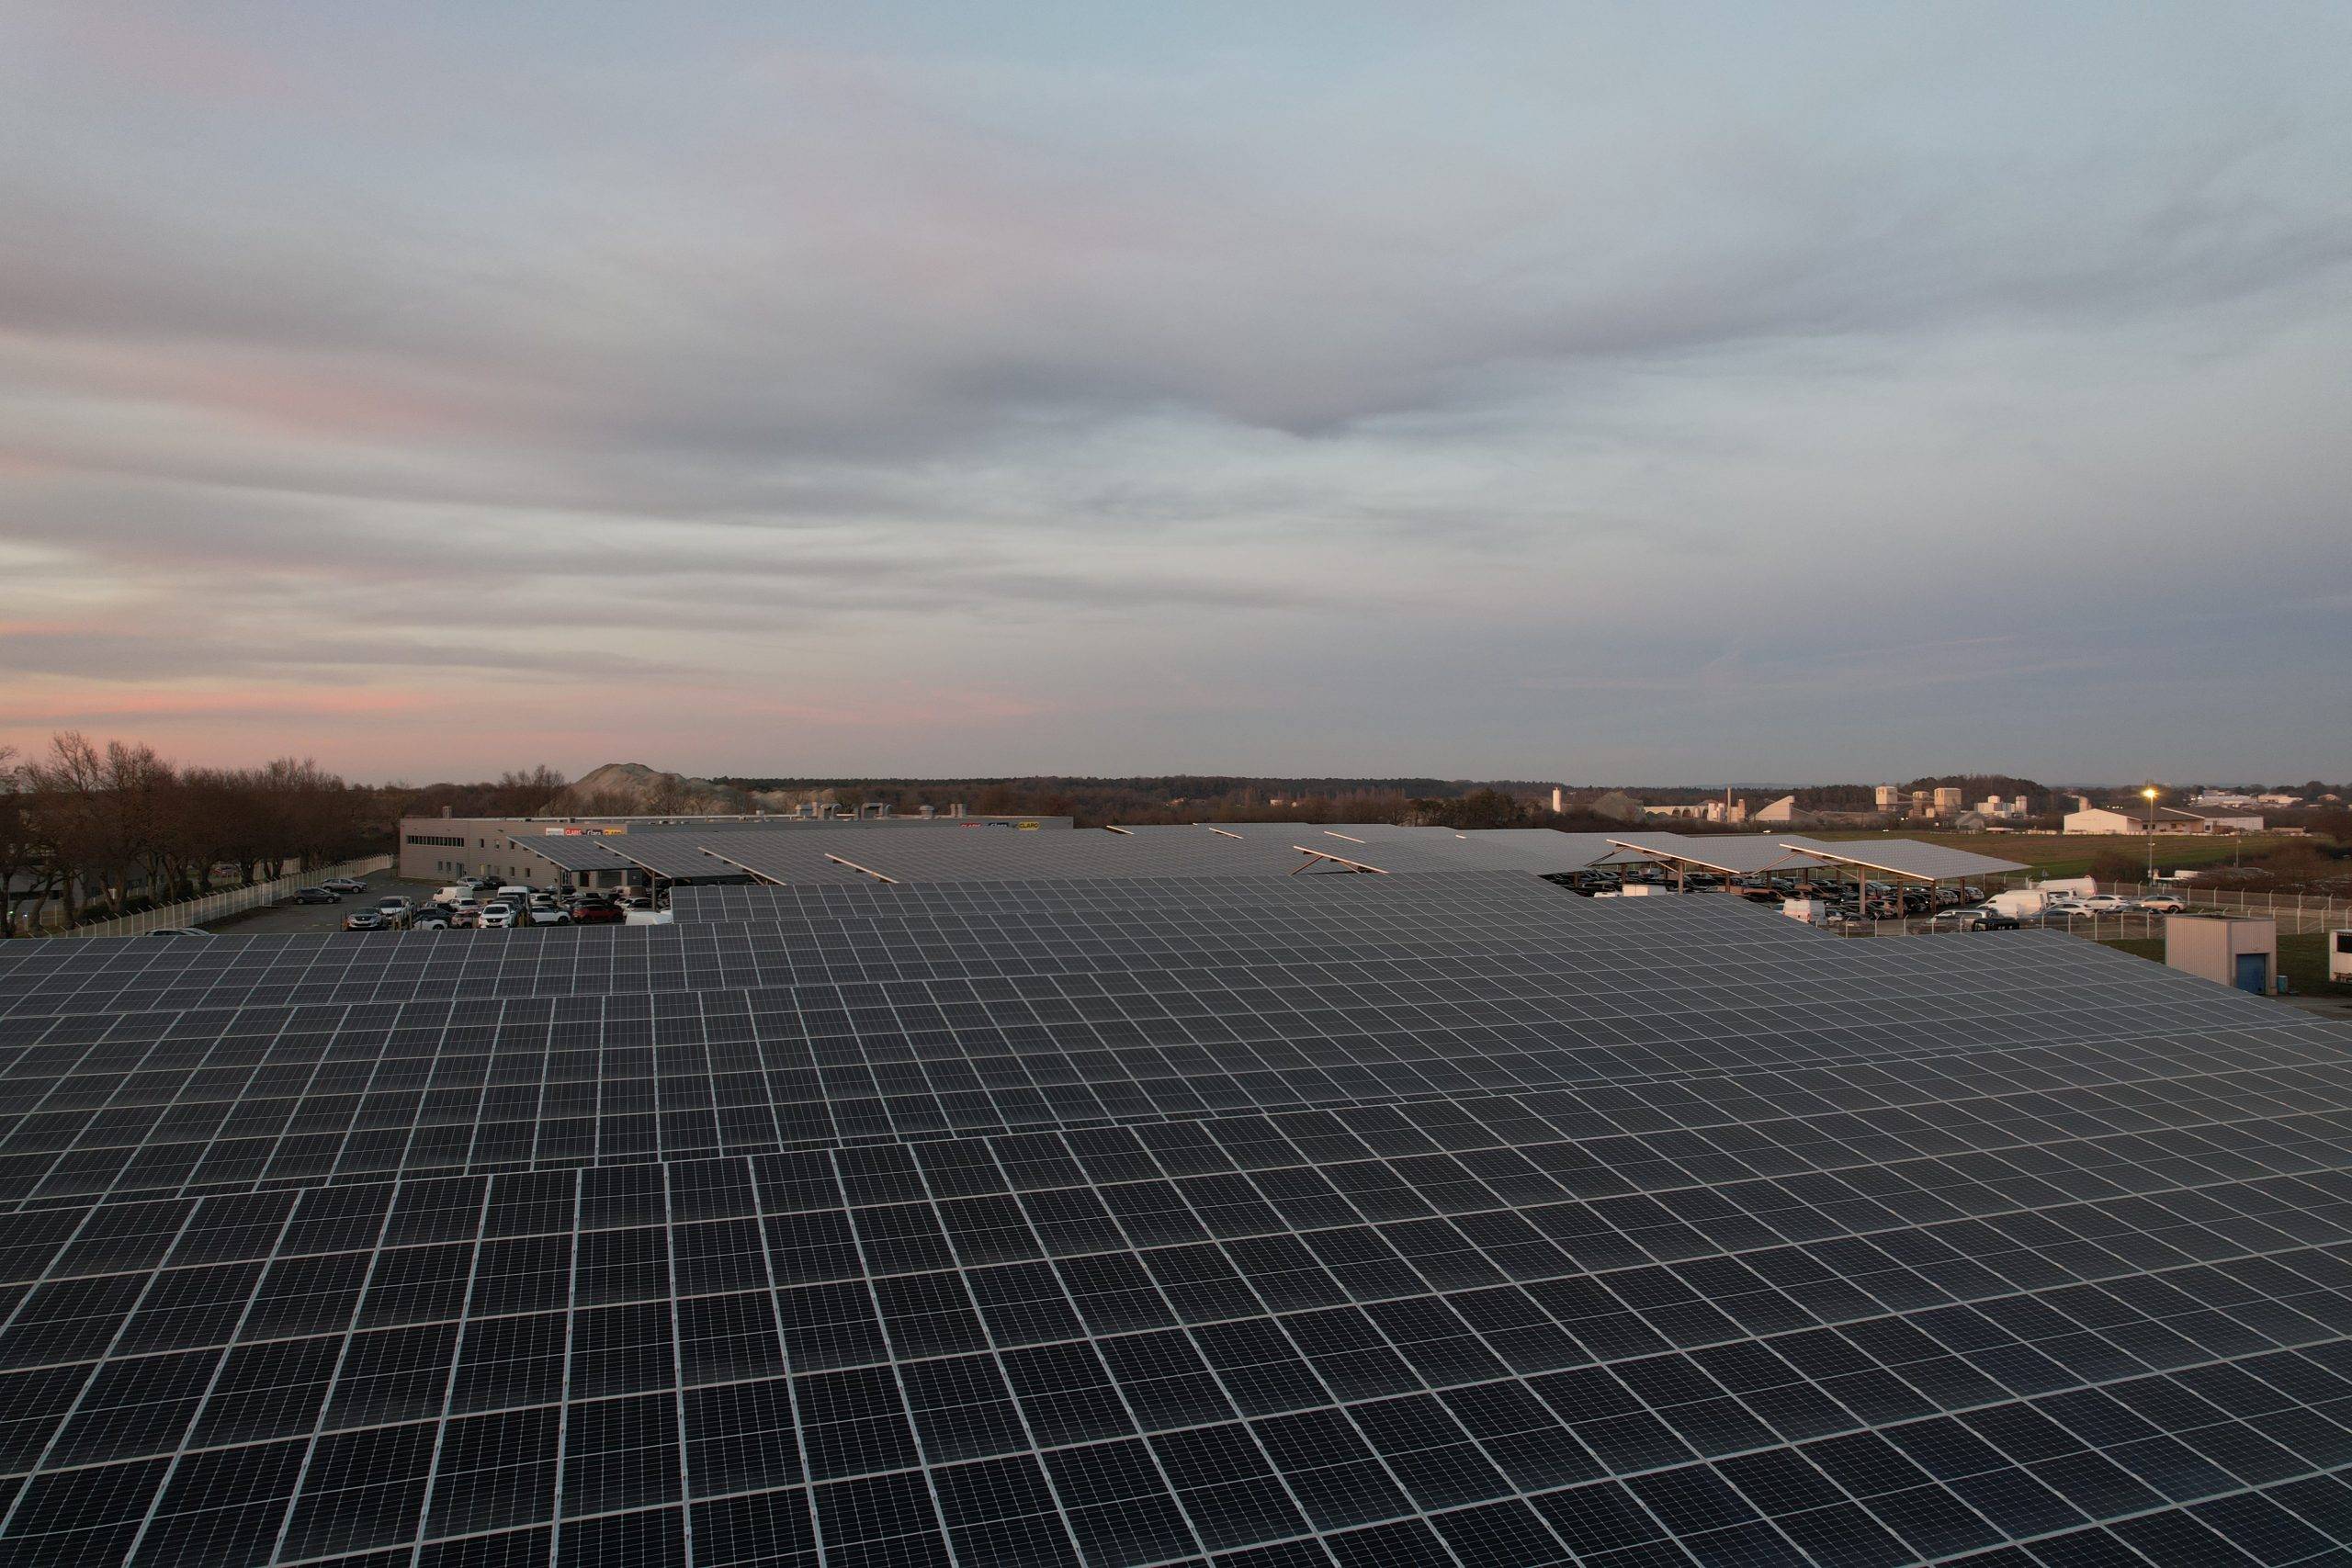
x,y
2149,794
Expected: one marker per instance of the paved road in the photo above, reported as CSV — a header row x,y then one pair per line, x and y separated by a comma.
x,y
281,919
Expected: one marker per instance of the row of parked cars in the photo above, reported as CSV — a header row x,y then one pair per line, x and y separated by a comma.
x,y
2114,904
478,903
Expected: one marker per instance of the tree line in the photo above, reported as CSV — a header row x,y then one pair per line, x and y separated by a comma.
x,y
101,831
90,830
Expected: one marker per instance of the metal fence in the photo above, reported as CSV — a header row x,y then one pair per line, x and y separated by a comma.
x,y
2129,925
2096,927
216,906
2294,911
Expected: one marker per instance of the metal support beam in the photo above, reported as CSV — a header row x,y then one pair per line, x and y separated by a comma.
x,y
1315,855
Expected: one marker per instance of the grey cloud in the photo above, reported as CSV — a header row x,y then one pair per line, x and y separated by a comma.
x,y
1488,382
679,371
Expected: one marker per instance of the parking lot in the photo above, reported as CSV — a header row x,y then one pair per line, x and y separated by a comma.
x,y
281,919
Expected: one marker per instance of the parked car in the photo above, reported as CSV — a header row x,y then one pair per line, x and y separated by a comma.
x,y
365,920
176,930
464,912
2107,904
634,900
432,918
316,895
544,902
455,891
344,885
537,916
497,916
599,913
1976,918
2162,903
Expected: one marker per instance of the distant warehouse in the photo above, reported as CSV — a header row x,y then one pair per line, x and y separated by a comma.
x,y
2167,819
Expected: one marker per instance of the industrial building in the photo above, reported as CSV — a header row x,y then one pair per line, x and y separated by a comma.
x,y
2229,950
1216,1197
2100,819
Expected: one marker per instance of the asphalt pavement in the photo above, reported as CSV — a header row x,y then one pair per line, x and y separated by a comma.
x,y
280,919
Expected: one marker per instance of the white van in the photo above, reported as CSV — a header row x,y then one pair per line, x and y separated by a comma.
x,y
455,891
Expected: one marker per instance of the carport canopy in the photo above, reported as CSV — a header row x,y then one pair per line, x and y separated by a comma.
x,y
1732,855
1906,858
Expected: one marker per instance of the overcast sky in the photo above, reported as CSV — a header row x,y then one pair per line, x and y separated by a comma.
x,y
1581,392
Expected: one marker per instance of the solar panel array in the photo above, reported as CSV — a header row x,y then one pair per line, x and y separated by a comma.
x,y
779,853
575,852
1735,854
1233,1220
1906,857
672,855
1079,854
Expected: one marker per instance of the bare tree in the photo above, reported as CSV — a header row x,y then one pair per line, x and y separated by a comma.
x,y
97,810
528,794
26,868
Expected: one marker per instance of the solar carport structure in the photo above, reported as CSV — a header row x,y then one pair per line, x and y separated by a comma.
x,y
1729,855
1216,1218
1904,860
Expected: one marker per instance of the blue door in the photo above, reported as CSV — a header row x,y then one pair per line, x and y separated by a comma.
x,y
2253,972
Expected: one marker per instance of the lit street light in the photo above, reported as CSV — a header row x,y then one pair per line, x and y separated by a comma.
x,y
2149,794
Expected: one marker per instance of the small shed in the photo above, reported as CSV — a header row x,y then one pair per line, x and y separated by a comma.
x,y
2232,949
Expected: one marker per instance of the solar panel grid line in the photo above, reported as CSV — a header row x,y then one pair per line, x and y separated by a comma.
x,y
1197,1322
1500,1205
2110,1544
564,1374
8,1322
957,1548
677,1366
1394,1098
172,1468
698,948
1203,1520
311,1449
1728,960
2249,1142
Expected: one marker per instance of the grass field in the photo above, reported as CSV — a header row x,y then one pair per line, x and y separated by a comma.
x,y
2055,854
2302,959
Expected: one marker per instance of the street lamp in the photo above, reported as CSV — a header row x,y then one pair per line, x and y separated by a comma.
x,y
2149,794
